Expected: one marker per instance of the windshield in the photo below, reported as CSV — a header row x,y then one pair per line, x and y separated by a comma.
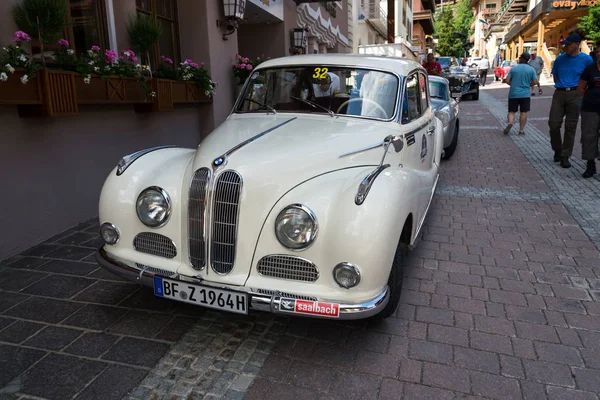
x,y
321,89
508,63
438,90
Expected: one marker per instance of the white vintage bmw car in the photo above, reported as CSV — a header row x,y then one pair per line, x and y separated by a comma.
x,y
303,202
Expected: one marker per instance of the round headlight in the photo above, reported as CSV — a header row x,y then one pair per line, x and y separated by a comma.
x,y
110,233
296,227
443,116
346,275
153,207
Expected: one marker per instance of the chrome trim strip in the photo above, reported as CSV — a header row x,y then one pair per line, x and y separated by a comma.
x,y
258,301
416,237
417,129
222,160
370,147
127,160
365,185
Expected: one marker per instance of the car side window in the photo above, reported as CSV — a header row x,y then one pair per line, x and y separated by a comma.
x,y
411,103
424,92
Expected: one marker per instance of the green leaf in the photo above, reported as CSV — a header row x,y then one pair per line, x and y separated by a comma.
x,y
143,33
41,18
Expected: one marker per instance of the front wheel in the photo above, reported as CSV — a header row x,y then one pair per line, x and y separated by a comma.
x,y
449,151
394,283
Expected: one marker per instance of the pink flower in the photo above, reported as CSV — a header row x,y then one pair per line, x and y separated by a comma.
x,y
238,57
95,48
166,59
242,66
63,42
246,60
249,67
202,64
188,61
21,36
134,60
110,56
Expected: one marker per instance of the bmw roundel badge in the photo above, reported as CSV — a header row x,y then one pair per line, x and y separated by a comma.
x,y
218,161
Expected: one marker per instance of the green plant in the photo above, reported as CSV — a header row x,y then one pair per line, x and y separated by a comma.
x,y
243,67
143,34
44,19
187,71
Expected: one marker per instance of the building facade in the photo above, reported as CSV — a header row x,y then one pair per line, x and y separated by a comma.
x,y
540,25
54,167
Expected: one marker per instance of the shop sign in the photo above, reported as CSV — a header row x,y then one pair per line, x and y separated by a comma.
x,y
572,5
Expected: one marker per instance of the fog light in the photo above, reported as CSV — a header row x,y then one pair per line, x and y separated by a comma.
x,y
110,233
346,275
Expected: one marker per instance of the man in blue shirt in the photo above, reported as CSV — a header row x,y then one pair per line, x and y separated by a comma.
x,y
520,78
566,71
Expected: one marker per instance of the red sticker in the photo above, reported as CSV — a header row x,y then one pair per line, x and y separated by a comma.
x,y
310,307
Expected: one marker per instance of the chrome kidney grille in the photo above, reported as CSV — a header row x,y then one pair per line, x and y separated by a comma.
x,y
197,218
225,210
288,267
155,244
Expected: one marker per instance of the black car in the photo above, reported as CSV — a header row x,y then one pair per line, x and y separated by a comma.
x,y
447,62
463,82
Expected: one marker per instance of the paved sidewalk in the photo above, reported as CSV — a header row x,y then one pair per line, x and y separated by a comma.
x,y
501,300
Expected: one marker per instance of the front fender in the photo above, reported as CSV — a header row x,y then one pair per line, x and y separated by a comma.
x,y
164,168
366,235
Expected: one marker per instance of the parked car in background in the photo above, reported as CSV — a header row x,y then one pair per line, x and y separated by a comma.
x,y
303,202
446,109
447,62
463,83
503,69
474,62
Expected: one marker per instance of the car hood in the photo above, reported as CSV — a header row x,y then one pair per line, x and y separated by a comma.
x,y
293,147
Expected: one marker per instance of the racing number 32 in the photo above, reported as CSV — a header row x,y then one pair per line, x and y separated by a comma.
x,y
320,73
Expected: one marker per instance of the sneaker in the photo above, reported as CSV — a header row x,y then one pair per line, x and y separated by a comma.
x,y
521,133
590,170
564,162
556,156
533,94
540,93
507,129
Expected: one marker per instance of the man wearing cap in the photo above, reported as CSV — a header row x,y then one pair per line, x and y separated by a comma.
x,y
536,63
566,71
520,78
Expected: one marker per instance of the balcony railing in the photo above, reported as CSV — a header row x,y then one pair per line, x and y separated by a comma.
x,y
374,11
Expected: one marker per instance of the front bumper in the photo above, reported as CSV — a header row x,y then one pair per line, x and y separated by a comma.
x,y
258,301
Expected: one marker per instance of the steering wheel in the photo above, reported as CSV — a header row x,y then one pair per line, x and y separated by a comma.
x,y
376,104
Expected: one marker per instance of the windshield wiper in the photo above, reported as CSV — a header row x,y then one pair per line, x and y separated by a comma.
x,y
314,105
261,104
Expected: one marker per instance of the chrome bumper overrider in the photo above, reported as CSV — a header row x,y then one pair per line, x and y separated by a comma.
x,y
258,301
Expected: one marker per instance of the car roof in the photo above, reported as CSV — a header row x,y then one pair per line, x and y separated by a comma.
x,y
434,78
401,66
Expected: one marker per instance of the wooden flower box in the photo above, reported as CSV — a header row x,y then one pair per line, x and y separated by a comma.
x,y
12,91
51,93
170,92
114,90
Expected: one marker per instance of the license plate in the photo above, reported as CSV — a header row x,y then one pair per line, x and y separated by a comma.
x,y
205,296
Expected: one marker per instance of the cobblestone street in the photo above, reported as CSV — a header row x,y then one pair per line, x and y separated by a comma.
x,y
501,300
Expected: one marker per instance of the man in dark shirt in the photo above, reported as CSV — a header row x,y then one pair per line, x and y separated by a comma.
x,y
589,87
566,70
